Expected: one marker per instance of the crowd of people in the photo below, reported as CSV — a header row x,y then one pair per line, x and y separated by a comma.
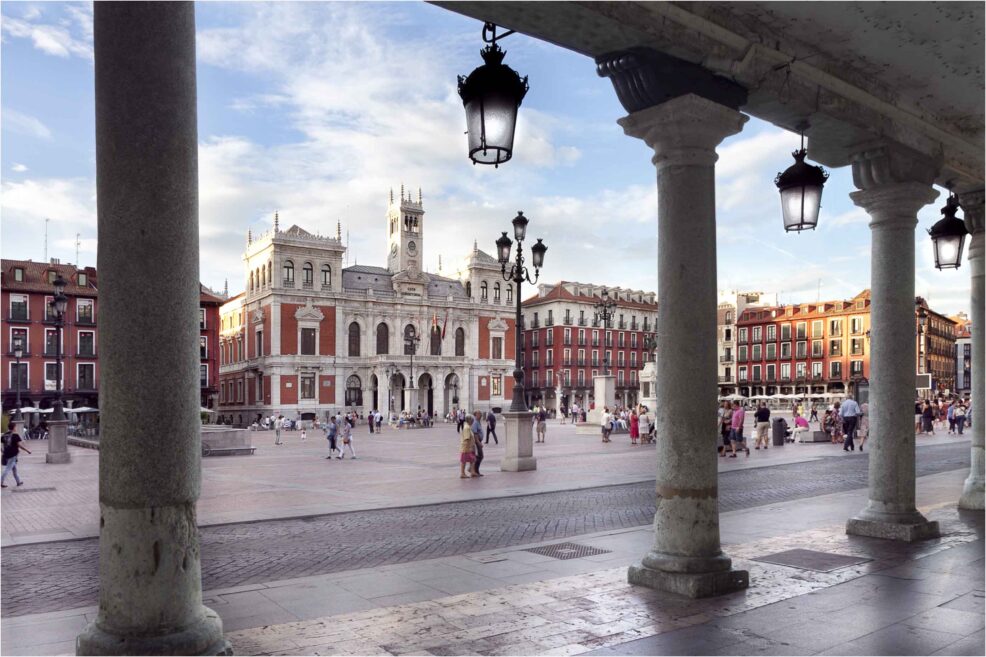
x,y
957,413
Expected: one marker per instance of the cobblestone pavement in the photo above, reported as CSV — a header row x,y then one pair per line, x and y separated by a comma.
x,y
55,576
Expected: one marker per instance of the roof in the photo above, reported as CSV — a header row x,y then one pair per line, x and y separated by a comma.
x,y
560,293
208,296
379,279
297,231
36,277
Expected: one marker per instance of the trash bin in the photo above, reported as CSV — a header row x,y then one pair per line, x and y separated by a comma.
x,y
777,432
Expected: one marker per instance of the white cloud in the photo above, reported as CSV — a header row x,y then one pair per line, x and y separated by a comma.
x,y
853,216
70,204
24,124
18,167
68,35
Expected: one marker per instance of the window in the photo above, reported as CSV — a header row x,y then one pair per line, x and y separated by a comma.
x,y
354,339
534,358
856,325
549,377
484,291
239,391
856,348
580,378
82,279
785,331
19,274
771,350
567,336
785,350
19,334
620,359
741,353
497,385
756,372
383,338
410,347
771,372
308,342
835,370
534,379
496,293
771,332
633,340
549,358
785,371
436,341
802,329
308,386
51,342
52,275
469,292
50,314
18,306
85,376
204,375
835,347
856,367
758,334
51,375
802,350
620,378
742,334
816,348
835,327
497,348
19,376
801,370
307,275
251,281
816,370
756,351
510,293
260,387
79,306
816,328
460,341
326,276
633,359
203,346
288,271
742,373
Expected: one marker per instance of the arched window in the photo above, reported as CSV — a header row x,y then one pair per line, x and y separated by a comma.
x,y
484,291
410,347
326,276
496,292
288,272
354,391
270,271
307,274
436,341
383,338
263,274
469,289
510,293
354,339
251,281
460,342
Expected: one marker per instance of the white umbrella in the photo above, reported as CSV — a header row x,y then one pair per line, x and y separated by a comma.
x,y
203,409
31,409
82,409
733,397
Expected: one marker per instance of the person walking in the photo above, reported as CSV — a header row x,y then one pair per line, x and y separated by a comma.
x,y
11,449
864,424
928,418
725,415
460,418
606,423
331,433
477,433
491,427
736,438
850,416
960,417
541,424
634,427
371,419
278,425
761,419
467,452
644,425
346,433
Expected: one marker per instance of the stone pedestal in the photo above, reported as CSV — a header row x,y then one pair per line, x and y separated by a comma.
x,y
411,400
648,386
972,490
894,184
150,586
686,557
58,442
604,395
518,444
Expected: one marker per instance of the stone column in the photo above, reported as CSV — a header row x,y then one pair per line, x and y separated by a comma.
x,y
150,593
275,329
972,206
686,557
893,185
58,442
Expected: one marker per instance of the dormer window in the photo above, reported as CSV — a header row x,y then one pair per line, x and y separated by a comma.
x,y
19,274
83,279
52,275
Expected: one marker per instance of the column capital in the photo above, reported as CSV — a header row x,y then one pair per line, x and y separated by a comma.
x,y
972,207
882,163
684,130
894,202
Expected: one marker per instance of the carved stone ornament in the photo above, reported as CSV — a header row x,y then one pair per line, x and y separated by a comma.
x,y
258,315
497,324
308,312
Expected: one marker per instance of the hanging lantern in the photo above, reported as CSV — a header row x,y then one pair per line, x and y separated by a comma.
x,y
491,95
801,190
948,236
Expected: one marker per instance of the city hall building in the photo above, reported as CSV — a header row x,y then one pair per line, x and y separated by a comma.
x,y
309,337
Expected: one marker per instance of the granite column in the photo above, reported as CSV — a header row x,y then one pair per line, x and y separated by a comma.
x,y
972,206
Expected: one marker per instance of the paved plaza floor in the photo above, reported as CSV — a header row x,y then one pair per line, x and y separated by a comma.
x,y
520,598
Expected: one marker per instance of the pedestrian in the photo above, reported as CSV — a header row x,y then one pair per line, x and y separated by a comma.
x,y
850,412
304,433
950,414
278,425
928,418
736,438
725,423
331,431
606,423
960,417
634,427
467,451
541,423
460,419
644,425
477,432
575,413
864,424
346,433
491,427
814,413
371,419
379,417
800,428
11,449
761,419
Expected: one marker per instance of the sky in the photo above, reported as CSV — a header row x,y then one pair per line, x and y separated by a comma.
x,y
317,110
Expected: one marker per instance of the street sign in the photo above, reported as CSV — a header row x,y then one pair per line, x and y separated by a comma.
x,y
923,382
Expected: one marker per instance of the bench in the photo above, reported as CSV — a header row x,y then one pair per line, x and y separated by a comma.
x,y
227,451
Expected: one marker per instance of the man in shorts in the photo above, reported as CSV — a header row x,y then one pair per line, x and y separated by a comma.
x,y
606,423
736,438
542,424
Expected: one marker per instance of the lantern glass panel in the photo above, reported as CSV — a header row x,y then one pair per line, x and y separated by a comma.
x,y
493,116
537,252
60,303
520,227
948,251
800,206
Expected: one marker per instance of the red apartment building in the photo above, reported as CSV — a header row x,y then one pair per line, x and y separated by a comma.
x,y
26,292
565,345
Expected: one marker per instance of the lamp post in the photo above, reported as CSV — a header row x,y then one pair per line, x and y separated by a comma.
x,y
18,354
411,340
59,304
518,274
922,338
605,310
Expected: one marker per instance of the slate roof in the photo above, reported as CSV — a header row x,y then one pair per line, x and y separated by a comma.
x,y
36,278
364,277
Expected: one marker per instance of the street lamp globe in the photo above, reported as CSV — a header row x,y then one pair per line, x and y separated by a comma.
x,y
491,96
537,254
948,236
520,226
801,191
60,303
503,245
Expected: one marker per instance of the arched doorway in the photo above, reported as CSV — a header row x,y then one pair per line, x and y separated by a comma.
x,y
426,394
450,392
397,385
375,393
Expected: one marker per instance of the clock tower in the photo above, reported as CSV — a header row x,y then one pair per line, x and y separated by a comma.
x,y
405,233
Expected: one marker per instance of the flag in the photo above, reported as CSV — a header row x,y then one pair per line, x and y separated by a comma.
x,y
445,324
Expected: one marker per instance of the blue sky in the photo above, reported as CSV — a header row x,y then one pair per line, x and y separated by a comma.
x,y
317,109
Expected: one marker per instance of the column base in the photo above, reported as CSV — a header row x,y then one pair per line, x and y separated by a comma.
x,y
908,532
972,494
203,638
518,464
58,442
692,585
518,444
58,457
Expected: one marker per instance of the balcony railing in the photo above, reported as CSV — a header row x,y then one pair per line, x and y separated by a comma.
x,y
287,282
549,322
568,320
725,359
86,353
725,379
622,325
581,342
85,321
581,362
567,362
536,323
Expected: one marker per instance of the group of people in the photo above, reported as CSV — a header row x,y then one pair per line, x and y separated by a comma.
x,y
470,428
956,412
339,433
636,421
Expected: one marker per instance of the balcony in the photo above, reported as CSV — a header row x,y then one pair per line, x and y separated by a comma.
x,y
785,378
16,316
24,356
580,362
566,362
595,343
633,326
725,359
307,285
567,342
581,342
287,282
85,353
725,379
549,322
582,321
622,325
536,323
86,387
568,320
85,321
549,363
549,342
596,363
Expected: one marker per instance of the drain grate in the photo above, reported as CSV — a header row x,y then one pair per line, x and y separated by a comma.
x,y
822,562
32,490
567,551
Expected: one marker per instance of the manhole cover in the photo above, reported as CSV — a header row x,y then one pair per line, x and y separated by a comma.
x,y
823,562
32,490
567,551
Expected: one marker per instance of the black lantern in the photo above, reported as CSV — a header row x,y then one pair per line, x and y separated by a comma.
x,y
801,190
491,95
520,226
948,236
503,245
537,254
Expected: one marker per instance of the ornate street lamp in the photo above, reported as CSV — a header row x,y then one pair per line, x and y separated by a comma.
x,y
411,340
948,236
801,190
518,274
491,95
605,311
18,354
59,304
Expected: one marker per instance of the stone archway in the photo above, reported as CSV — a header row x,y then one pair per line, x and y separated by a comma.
x,y
397,385
450,392
426,393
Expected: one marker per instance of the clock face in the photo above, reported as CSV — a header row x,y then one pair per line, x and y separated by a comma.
x,y
411,247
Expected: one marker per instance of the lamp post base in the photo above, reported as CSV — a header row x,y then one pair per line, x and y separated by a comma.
x,y
58,442
518,453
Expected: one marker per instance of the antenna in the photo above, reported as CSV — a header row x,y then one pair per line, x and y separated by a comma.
x,y
46,239
818,297
77,250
